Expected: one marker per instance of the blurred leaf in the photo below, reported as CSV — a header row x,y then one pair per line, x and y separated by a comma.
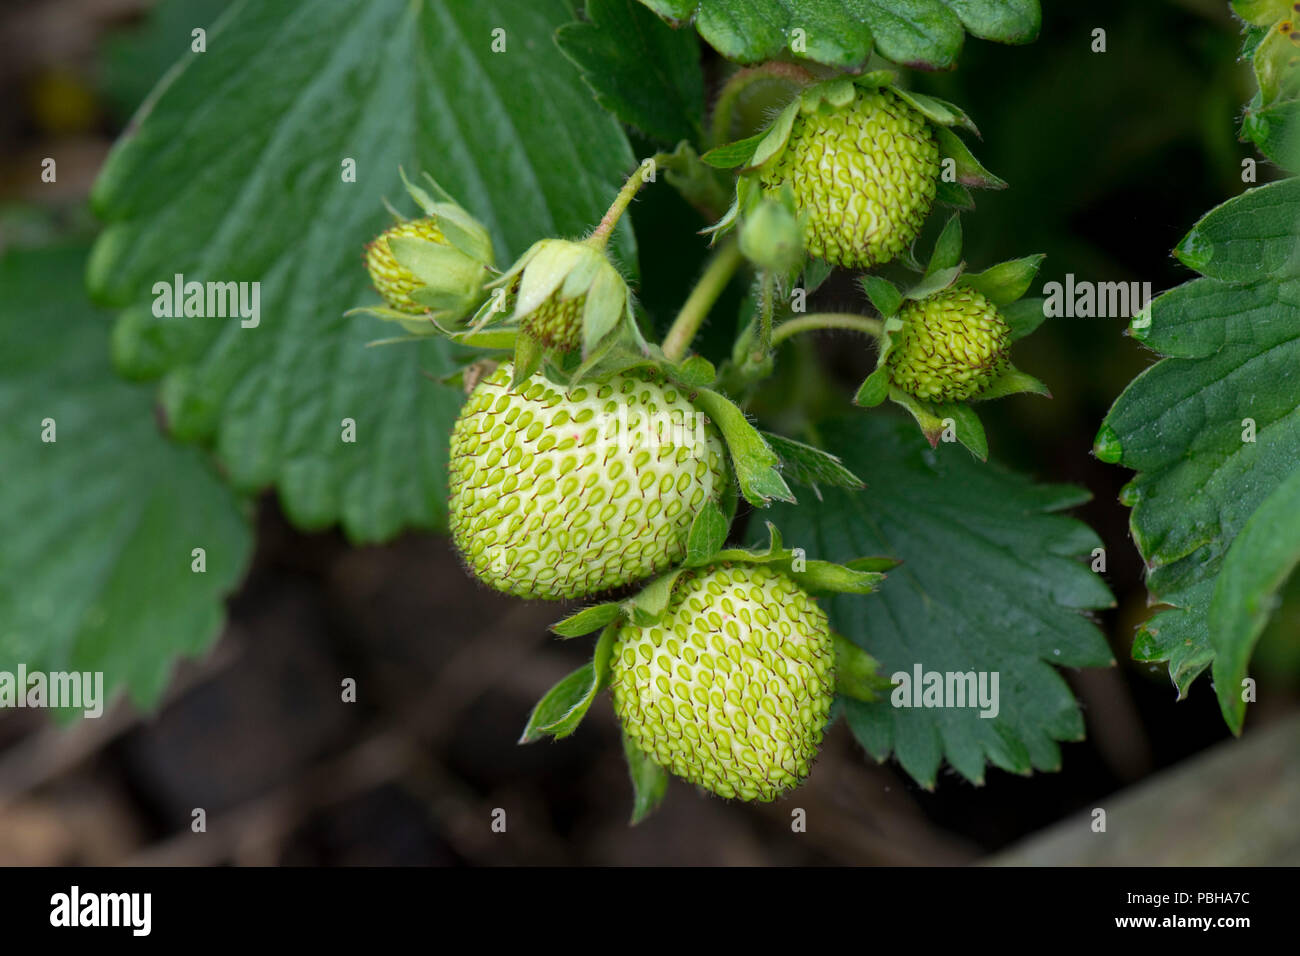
x,y
98,527
641,70
136,57
235,175
919,33
1214,431
990,582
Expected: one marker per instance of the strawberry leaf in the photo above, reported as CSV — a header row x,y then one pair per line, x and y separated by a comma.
x,y
1213,430
98,569
920,33
990,582
639,68
285,96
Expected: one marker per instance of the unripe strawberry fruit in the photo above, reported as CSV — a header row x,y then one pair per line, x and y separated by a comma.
x,y
733,688
557,323
863,176
391,280
559,494
951,346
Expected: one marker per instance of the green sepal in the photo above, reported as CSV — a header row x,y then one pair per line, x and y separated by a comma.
x,y
649,781
588,619
933,282
885,297
562,708
953,194
1024,316
947,248
754,463
874,390
732,155
707,535
1005,282
1012,381
857,673
969,170
967,428
528,358
695,372
646,607
937,111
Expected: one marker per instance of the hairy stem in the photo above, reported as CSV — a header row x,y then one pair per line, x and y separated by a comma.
x,y
828,320
600,238
716,275
740,82
766,308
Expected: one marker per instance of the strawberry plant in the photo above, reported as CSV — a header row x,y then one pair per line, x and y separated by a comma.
x,y
557,281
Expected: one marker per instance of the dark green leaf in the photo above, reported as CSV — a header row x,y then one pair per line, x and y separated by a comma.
x,y
1214,431
642,70
1250,237
287,92
99,526
1259,562
990,583
918,33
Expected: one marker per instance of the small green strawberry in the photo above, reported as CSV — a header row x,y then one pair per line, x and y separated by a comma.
x,y
560,494
863,176
952,345
392,281
732,689
567,295
434,268
864,162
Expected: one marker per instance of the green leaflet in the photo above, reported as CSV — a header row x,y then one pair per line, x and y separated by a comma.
x,y
98,569
917,33
991,581
1214,432
286,95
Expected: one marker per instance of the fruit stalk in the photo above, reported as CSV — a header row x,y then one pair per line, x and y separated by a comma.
x,y
828,320
600,238
716,276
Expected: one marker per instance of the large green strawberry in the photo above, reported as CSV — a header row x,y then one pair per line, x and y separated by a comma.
x,y
732,689
561,493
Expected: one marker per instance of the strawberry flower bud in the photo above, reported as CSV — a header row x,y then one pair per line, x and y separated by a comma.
x,y
567,295
435,266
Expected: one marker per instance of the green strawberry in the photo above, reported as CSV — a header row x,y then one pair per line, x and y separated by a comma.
x,y
559,494
952,345
732,689
863,176
392,280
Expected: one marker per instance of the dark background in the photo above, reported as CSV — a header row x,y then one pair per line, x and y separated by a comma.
x,y
1111,157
